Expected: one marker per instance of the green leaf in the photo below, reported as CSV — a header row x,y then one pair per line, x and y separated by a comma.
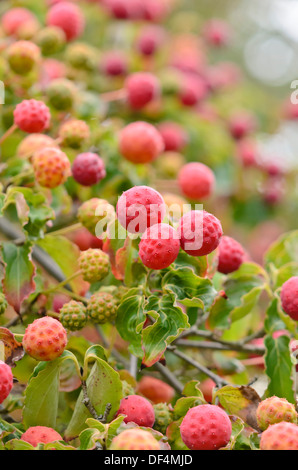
x,y
169,322
279,368
103,385
242,290
42,393
18,282
283,251
32,209
68,263
189,289
131,318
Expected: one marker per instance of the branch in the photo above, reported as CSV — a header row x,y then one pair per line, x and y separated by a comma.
x,y
221,347
167,374
87,402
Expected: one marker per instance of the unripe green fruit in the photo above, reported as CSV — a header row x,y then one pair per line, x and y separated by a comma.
x,y
163,417
3,303
73,315
82,57
23,56
50,40
61,94
102,308
127,389
275,410
74,133
95,214
95,265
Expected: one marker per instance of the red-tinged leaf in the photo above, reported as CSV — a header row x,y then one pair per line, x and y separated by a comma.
x,y
12,348
18,282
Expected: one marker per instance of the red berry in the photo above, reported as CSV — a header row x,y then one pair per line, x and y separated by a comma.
x,y
51,167
139,208
88,169
196,181
40,435
45,339
241,124
141,89
155,390
6,381
85,240
125,9
193,90
217,32
114,63
174,136
280,436
137,410
155,10
159,246
247,153
67,17
200,233
206,388
14,19
289,297
206,427
140,142
231,255
32,116
150,39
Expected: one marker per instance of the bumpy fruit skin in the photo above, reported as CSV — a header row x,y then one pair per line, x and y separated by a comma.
x,y
159,246
32,143
174,136
275,410
139,208
73,315
68,17
95,265
163,417
3,303
280,436
102,308
231,255
23,56
51,167
14,19
196,181
155,390
32,116
289,297
200,233
45,339
6,381
134,439
140,142
40,435
141,89
93,211
88,169
74,133
137,410
206,427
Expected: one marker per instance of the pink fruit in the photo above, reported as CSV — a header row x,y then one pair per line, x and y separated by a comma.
x,y
217,32
206,427
6,381
193,90
51,167
159,246
134,439
155,390
241,124
280,436
137,410
206,388
196,181
114,64
139,208
289,297
155,10
45,339
200,233
125,9
231,255
140,142
67,17
40,435
150,40
275,410
14,19
247,153
141,88
174,136
32,116
88,169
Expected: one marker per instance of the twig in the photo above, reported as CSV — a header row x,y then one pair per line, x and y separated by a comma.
x,y
221,347
167,374
87,402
